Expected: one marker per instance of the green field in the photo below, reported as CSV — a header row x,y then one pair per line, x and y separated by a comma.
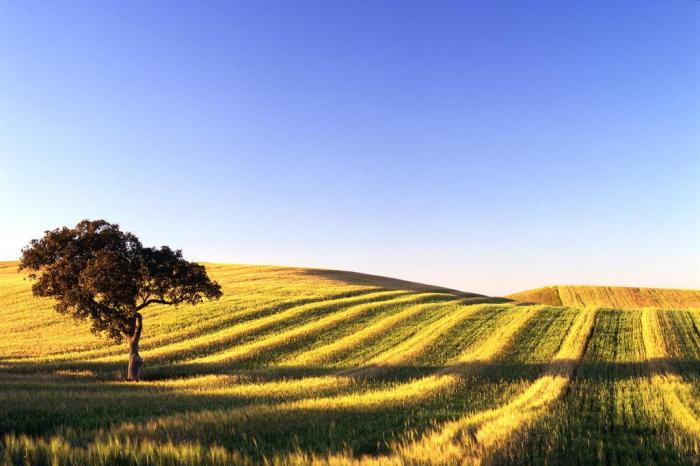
x,y
299,366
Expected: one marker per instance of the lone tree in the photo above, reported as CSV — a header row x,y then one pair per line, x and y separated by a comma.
x,y
99,273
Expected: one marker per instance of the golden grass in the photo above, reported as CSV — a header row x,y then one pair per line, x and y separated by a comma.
x,y
615,297
299,366
423,338
337,318
677,394
467,439
324,353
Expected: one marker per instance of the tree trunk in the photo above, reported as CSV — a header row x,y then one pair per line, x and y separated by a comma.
x,y
135,361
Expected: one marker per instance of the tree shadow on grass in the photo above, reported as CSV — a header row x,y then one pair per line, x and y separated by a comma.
x,y
233,420
592,424
500,370
37,405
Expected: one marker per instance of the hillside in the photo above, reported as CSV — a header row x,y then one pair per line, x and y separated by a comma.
x,y
615,297
299,366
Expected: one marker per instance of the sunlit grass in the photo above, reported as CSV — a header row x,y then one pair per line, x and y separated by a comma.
x,y
616,297
298,366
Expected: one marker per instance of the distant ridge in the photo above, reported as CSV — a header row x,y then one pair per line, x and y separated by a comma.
x,y
618,297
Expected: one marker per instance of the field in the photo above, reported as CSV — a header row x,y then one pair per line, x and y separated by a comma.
x,y
299,366
614,297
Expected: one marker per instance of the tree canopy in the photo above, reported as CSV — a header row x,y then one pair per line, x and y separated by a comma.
x,y
99,273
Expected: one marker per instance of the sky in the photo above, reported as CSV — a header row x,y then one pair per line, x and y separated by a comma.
x,y
490,147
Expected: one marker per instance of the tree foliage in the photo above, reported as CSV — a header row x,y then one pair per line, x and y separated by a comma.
x,y
97,272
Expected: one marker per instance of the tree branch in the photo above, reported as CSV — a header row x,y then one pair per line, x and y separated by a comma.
x,y
152,301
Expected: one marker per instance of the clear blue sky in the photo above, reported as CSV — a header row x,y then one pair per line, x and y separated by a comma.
x,y
487,146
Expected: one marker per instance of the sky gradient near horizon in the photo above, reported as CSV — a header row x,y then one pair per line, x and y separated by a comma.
x,y
486,146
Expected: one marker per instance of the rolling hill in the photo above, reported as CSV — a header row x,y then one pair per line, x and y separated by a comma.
x,y
615,297
302,366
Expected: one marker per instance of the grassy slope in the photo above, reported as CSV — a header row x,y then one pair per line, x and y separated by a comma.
x,y
616,297
298,365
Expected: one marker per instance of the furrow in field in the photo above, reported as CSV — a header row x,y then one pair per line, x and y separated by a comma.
x,y
538,343
235,420
616,297
330,334
464,364
254,292
225,329
677,394
413,392
409,349
222,340
356,339
212,385
686,331
610,413
468,439
243,310
380,343
496,343
501,333
324,353
161,331
280,339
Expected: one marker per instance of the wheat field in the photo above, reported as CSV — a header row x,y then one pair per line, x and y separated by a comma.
x,y
614,297
303,366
